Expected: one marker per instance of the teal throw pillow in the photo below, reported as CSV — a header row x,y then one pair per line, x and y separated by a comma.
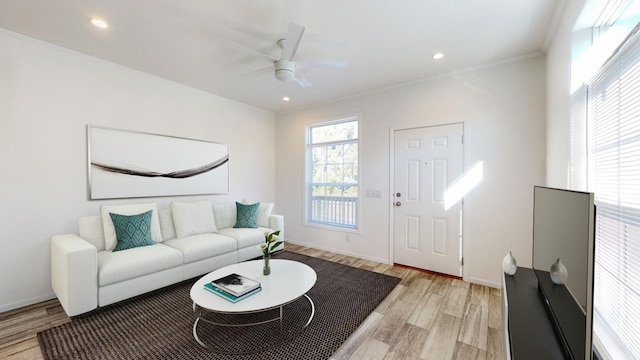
x,y
246,215
132,230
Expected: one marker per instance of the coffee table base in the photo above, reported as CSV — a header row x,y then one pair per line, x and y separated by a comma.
x,y
198,312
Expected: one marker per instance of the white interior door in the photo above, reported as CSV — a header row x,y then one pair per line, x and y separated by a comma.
x,y
426,235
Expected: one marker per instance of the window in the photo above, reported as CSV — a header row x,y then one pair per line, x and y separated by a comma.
x,y
614,176
332,173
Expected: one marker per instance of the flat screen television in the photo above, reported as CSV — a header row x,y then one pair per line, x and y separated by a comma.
x,y
563,232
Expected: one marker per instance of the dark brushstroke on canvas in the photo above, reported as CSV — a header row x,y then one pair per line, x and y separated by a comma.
x,y
182,174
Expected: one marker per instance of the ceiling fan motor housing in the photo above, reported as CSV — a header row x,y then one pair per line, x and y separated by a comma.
x,y
285,70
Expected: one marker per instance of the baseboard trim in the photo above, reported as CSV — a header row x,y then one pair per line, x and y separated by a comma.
x,y
339,251
483,282
27,302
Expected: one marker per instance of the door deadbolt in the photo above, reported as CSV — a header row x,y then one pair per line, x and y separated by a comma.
x,y
398,194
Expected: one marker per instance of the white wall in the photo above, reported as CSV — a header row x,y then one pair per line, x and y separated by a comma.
x,y
48,95
503,111
559,97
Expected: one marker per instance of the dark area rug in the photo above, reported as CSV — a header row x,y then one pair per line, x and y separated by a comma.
x,y
158,325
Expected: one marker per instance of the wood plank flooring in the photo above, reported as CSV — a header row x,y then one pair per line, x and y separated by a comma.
x,y
425,317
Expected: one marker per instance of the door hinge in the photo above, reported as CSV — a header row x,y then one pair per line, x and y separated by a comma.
x,y
462,139
462,262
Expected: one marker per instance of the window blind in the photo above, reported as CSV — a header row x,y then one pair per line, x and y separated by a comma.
x,y
614,176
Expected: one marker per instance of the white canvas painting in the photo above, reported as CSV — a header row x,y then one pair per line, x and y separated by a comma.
x,y
126,164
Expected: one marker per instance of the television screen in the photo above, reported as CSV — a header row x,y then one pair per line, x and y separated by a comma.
x,y
563,244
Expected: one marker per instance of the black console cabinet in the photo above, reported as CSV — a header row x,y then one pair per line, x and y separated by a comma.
x,y
529,332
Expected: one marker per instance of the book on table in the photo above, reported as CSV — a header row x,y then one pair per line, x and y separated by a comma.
x,y
235,284
229,297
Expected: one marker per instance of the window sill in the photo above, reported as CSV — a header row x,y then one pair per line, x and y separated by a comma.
x,y
605,341
332,227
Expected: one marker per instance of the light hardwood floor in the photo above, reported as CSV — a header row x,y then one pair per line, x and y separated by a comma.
x,y
425,317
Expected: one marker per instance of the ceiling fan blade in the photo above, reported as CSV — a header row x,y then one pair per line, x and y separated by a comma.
x,y
301,80
264,70
247,50
291,42
322,63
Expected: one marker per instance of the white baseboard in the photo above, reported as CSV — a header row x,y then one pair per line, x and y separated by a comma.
x,y
339,251
383,261
483,282
27,302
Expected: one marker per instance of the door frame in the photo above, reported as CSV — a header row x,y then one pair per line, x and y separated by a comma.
x,y
465,213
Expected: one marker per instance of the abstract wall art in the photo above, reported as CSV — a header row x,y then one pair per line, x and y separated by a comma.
x,y
128,164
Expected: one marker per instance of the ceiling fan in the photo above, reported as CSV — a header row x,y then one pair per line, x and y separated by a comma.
x,y
285,68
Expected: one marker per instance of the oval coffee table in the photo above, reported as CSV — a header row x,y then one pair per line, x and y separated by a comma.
x,y
288,281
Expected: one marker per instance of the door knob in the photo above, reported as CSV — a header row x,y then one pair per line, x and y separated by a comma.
x,y
398,203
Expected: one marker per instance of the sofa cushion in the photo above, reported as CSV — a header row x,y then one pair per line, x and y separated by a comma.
x,y
166,224
246,215
264,212
132,230
245,236
90,228
203,246
130,209
224,214
115,267
193,218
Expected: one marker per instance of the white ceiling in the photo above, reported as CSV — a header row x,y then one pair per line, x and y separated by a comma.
x,y
385,42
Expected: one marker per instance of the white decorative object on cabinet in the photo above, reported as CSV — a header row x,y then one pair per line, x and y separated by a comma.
x,y
509,264
558,273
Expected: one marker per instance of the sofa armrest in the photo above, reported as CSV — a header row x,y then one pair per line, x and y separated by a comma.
x,y
74,273
276,222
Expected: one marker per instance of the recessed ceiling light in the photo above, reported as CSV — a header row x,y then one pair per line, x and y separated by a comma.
x,y
99,23
286,98
438,55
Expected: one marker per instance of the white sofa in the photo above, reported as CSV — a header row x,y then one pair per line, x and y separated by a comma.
x,y
86,273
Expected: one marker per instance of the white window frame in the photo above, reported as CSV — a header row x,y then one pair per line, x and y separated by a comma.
x,y
308,187
616,251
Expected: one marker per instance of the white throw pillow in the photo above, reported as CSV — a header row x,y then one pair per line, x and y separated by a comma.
x,y
224,214
264,212
110,239
193,218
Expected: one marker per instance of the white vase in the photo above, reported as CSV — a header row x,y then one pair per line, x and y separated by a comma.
x,y
558,273
509,264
